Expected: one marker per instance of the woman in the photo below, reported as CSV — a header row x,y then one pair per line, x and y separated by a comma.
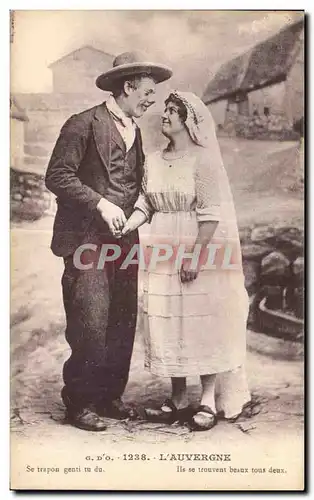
x,y
195,316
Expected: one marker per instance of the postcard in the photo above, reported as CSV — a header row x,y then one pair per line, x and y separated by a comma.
x,y
157,255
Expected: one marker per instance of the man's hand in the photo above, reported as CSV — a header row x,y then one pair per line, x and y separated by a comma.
x,y
187,274
113,215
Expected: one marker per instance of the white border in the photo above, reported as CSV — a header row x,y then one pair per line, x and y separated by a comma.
x,y
4,194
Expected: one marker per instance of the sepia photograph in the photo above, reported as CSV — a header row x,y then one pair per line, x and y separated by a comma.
x,y
157,250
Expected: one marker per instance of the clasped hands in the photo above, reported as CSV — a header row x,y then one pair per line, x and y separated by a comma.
x,y
115,218
120,226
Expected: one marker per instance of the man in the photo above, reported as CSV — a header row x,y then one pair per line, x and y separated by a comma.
x,y
95,171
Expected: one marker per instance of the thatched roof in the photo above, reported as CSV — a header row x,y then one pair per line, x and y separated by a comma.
x,y
267,63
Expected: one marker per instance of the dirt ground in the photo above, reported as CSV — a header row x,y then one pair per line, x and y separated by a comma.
x,y
38,350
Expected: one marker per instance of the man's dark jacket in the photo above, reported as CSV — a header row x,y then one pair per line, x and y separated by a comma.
x,y
79,174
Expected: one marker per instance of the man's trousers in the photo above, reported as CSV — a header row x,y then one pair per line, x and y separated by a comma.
x,y
101,312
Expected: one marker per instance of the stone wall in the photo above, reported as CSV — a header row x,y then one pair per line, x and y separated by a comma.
x,y
16,142
46,115
271,127
41,133
30,199
273,265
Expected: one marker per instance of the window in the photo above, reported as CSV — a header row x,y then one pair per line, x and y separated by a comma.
x,y
266,110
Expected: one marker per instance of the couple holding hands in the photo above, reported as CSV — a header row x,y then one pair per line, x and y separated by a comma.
x,y
194,319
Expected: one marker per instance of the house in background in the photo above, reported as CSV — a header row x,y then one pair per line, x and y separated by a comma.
x,y
261,92
75,73
32,141
74,90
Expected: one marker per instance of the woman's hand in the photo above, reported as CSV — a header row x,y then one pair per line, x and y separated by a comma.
x,y
187,274
129,226
135,220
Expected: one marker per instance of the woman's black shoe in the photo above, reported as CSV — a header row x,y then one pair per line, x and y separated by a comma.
x,y
203,419
168,413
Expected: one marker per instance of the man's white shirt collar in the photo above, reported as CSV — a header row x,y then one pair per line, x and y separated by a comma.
x,y
126,126
117,112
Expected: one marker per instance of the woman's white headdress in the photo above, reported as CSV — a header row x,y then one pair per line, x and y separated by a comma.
x,y
199,121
